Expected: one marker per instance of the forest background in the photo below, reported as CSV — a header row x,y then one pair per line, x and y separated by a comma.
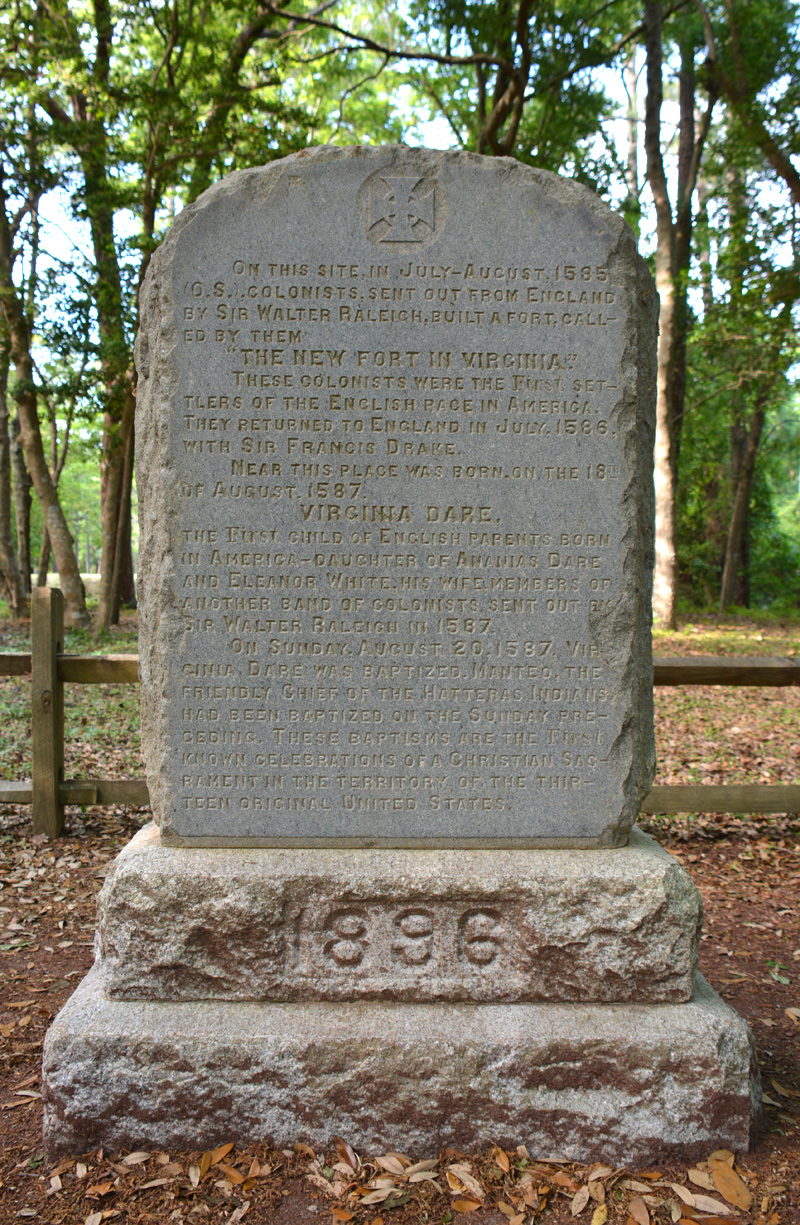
x,y
683,116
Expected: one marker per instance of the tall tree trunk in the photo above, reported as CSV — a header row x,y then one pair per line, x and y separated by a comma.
x,y
632,208
735,582
672,257
43,568
116,510
11,583
123,564
665,574
22,505
126,586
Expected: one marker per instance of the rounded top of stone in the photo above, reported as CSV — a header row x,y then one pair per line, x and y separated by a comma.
x,y
505,173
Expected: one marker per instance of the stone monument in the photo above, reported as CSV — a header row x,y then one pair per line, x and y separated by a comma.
x,y
395,428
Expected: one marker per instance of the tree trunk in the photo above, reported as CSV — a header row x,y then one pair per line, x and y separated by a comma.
x,y
125,586
122,576
115,510
11,583
665,573
632,208
22,506
734,576
672,259
43,567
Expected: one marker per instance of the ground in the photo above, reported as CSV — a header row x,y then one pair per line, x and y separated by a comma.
x,y
747,868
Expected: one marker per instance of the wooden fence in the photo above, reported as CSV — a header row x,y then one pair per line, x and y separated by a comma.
x,y
51,669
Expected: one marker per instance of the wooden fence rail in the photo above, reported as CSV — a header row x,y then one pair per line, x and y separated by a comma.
x,y
50,669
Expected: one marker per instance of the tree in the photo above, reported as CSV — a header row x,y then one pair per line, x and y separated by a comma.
x,y
672,261
152,102
11,575
18,332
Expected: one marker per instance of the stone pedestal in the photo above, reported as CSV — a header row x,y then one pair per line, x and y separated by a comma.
x,y
403,999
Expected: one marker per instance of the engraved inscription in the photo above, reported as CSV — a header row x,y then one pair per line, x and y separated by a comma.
x,y
399,523
380,937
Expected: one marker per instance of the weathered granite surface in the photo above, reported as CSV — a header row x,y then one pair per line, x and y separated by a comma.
x,y
617,1082
394,429
601,925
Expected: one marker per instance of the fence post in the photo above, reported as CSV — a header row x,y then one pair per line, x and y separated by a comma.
x,y
47,711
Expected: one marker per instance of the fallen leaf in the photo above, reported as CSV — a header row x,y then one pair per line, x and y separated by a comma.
x,y
420,1167
730,1185
136,1158
231,1173
346,1153
706,1204
639,1212
700,1179
683,1194
563,1180
779,1088
238,1213
205,1164
711,1220
579,1201
377,1197
389,1162
461,1178
597,1191
99,1188
501,1159
600,1215
341,1214
465,1205
218,1153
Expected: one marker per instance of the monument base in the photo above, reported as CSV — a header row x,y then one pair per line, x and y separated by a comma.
x,y
618,1082
486,926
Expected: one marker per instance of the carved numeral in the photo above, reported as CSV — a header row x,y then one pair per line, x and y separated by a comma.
x,y
480,936
348,944
416,928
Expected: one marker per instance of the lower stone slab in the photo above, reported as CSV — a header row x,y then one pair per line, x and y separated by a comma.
x,y
492,926
620,1083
